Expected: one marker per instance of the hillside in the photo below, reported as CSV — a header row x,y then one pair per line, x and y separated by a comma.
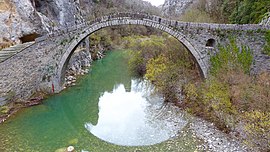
x,y
218,11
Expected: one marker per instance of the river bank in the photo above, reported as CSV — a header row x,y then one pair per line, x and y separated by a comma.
x,y
231,98
197,135
9,110
79,65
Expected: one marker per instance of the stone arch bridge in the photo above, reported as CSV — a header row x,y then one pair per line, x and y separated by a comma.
x,y
43,63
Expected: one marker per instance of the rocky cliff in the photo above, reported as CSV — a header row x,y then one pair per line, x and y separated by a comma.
x,y
23,20
174,8
30,18
17,19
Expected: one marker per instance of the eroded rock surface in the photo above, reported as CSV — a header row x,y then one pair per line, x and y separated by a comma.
x,y
175,7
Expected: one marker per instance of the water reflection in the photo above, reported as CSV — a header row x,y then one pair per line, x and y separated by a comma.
x,y
134,118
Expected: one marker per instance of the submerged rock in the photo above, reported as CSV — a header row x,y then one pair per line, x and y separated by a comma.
x,y
73,141
70,149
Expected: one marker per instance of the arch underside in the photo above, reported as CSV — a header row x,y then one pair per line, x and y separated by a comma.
x,y
116,22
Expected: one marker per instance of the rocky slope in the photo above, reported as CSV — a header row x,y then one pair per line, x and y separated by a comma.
x,y
174,8
16,19
34,17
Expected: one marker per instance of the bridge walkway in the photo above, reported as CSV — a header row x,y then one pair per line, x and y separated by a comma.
x,y
9,52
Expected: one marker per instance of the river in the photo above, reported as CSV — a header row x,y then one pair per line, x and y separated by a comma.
x,y
108,110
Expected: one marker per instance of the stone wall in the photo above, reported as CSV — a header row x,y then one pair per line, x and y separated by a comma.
x,y
22,74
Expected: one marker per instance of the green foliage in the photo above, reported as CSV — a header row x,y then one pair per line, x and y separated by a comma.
x,y
267,36
94,39
257,127
216,96
100,42
230,96
143,49
161,72
191,92
155,68
212,101
257,121
231,57
64,42
266,49
136,63
96,1
246,11
163,61
10,95
101,38
4,109
232,11
196,15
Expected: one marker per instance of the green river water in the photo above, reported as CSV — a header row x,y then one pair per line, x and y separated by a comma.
x,y
61,120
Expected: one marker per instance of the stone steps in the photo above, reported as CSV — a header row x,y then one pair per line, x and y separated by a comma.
x,y
12,49
6,54
4,58
9,52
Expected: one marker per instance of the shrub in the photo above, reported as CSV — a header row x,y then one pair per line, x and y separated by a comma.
x,y
163,61
196,15
266,49
155,68
231,57
4,109
257,128
249,11
136,63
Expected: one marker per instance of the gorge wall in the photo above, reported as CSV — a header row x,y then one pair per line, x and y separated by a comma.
x,y
37,17
175,8
22,18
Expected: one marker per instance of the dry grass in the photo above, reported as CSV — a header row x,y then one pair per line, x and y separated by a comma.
x,y
5,43
196,15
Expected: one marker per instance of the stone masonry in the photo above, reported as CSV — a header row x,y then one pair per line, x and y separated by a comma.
x,y
42,65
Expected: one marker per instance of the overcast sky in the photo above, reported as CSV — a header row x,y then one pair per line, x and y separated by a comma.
x,y
156,2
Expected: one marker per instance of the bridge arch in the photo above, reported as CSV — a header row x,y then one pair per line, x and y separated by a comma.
x,y
108,21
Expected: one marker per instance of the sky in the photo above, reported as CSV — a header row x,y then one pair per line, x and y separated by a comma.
x,y
155,2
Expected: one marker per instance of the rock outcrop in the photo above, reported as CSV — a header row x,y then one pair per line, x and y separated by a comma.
x,y
30,18
175,8
79,60
78,65
16,19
